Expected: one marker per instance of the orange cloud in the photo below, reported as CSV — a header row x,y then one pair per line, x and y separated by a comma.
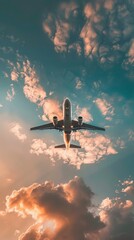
x,y
14,75
128,186
60,212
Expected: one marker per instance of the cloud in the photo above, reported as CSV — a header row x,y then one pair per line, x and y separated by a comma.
x,y
59,28
2,213
10,93
60,212
87,117
16,128
105,107
108,4
79,83
32,89
120,143
38,146
128,186
52,108
117,214
131,135
97,84
14,76
1,106
67,211
102,30
127,110
131,52
129,189
95,147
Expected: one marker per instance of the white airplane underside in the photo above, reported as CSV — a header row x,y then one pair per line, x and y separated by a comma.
x,y
67,125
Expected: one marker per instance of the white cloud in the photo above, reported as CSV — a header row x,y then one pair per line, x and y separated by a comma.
x,y
79,83
120,143
16,129
51,93
105,107
94,148
32,89
96,84
87,117
52,108
2,213
38,146
10,93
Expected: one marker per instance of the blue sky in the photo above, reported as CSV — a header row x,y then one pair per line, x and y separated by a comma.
x,y
83,50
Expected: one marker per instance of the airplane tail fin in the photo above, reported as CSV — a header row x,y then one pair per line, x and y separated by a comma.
x,y
64,146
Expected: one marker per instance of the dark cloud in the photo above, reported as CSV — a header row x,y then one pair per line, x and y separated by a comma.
x,y
60,212
64,212
30,234
101,30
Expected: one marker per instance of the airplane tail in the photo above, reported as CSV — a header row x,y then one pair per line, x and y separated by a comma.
x,y
64,146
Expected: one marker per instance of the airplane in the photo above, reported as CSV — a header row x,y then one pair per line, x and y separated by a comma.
x,y
67,125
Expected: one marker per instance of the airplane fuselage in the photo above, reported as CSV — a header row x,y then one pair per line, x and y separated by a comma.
x,y
67,122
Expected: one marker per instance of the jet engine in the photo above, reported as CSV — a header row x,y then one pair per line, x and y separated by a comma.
x,y
80,120
55,120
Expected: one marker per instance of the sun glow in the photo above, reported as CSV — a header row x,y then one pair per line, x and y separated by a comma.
x,y
48,225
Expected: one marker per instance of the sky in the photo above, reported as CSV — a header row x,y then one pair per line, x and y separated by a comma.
x,y
50,50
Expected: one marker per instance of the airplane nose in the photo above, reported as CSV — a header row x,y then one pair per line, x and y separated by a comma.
x,y
67,102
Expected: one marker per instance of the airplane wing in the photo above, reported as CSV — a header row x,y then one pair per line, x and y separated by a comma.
x,y
49,126
85,126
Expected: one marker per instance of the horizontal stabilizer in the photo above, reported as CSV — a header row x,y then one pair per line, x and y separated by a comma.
x,y
64,146
74,146
61,146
